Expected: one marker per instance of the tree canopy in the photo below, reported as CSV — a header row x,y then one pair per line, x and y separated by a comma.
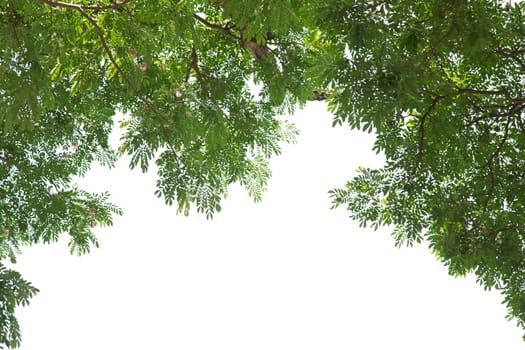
x,y
440,83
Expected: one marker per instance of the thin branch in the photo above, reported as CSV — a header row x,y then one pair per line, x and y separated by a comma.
x,y
520,124
492,184
78,7
442,40
513,54
161,119
319,96
14,22
257,50
421,132
226,30
503,92
503,229
490,164
375,5
188,72
200,79
209,24
482,117
107,49
81,9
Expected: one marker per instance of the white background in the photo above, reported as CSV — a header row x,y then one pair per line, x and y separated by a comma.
x,y
287,273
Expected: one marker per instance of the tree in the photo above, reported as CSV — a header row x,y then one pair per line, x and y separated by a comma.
x,y
441,84
180,71
14,291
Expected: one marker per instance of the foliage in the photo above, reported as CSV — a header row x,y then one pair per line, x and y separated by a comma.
x,y
14,291
439,82
181,71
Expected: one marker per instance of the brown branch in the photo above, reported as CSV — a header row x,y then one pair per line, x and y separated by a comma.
x,y
195,65
209,24
226,30
14,22
492,184
503,92
81,9
375,5
258,51
188,71
161,119
493,111
78,7
482,117
421,132
503,229
485,114
520,124
442,40
513,54
107,49
319,96
490,164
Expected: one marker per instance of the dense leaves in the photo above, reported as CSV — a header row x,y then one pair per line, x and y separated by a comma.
x,y
442,85
14,291
182,73
202,85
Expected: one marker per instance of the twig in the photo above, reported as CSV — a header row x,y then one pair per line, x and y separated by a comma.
x,y
520,124
484,116
78,7
440,42
421,132
81,9
492,184
107,49
223,29
503,92
209,24
14,22
375,6
503,229
513,54
195,65
490,164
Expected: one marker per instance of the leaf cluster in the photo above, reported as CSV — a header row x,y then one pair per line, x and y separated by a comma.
x,y
202,84
183,72
14,291
441,85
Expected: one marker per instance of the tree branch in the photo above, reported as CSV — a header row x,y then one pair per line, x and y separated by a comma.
x,y
82,10
78,7
440,42
107,49
421,132
503,229
520,124
503,92
14,22
195,65
512,54
509,228
226,30
490,164
475,121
